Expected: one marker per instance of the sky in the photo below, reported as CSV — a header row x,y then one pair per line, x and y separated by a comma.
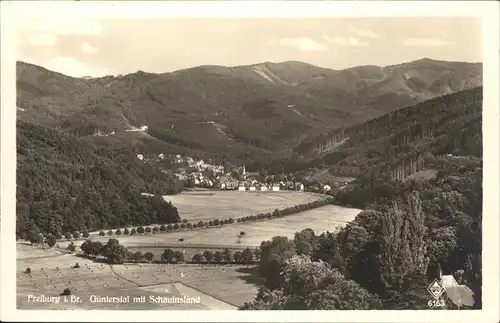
x,y
79,46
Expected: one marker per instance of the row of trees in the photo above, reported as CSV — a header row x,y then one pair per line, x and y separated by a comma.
x,y
116,254
247,256
184,225
51,239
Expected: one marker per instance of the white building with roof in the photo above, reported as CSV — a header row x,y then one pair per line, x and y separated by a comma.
x,y
459,295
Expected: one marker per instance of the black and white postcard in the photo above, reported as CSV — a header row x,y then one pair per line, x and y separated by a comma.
x,y
276,161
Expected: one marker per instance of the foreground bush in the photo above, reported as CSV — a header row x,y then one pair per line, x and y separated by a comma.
x,y
66,292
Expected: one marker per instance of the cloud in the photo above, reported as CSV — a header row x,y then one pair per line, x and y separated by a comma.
x,y
71,25
365,33
42,40
424,42
349,41
302,44
72,67
88,48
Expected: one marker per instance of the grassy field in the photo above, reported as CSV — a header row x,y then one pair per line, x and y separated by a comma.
x,y
51,275
327,218
209,205
234,284
219,287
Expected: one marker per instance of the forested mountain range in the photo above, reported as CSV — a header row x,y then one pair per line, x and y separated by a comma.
x,y
63,166
396,144
243,111
65,184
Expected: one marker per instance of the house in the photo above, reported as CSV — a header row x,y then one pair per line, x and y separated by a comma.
x,y
241,187
227,182
448,281
460,295
161,156
299,186
140,156
179,176
327,188
275,188
263,188
252,188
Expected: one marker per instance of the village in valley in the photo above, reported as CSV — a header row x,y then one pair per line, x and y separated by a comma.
x,y
201,174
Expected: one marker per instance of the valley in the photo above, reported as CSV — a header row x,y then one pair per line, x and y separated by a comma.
x,y
242,187
51,271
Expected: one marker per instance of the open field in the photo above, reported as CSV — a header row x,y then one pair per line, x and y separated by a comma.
x,y
26,252
49,276
210,205
217,287
206,205
326,218
234,284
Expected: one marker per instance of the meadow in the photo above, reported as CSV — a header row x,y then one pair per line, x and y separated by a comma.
x,y
210,205
219,287
326,218
51,275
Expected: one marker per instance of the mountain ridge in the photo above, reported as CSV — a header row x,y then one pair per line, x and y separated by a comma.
x,y
268,107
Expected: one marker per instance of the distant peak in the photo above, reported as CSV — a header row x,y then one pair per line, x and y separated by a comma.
x,y
426,59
